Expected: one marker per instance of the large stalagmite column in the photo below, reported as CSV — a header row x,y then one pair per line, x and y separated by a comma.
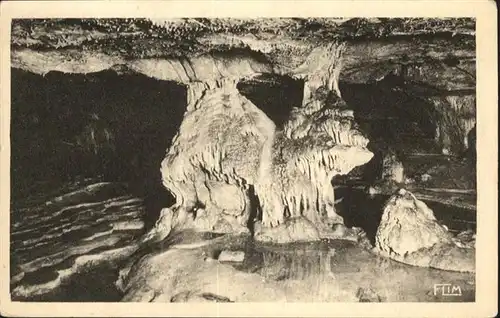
x,y
228,160
215,158
319,141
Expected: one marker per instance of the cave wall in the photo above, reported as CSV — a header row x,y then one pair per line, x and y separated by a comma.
x,y
230,144
435,56
100,124
435,69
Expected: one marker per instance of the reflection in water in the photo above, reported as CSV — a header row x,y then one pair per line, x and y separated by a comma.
x,y
50,232
92,218
346,268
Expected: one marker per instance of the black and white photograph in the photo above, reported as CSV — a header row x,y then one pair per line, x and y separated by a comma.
x,y
243,160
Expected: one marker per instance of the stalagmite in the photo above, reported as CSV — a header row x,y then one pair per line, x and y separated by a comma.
x,y
227,144
317,143
409,233
217,155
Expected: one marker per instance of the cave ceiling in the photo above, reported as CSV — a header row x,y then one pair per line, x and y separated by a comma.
x,y
439,53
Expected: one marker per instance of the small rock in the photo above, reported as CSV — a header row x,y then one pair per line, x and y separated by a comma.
x,y
425,177
392,169
402,191
407,225
222,226
368,295
339,230
181,297
216,298
465,239
191,296
347,113
409,180
231,256
373,190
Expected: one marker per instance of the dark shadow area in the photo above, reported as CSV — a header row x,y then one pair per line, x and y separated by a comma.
x,y
255,210
234,53
471,151
84,287
101,125
360,210
275,95
393,121
390,116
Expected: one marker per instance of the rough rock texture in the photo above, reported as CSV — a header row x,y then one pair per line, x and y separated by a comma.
x,y
197,274
311,272
432,59
457,117
295,229
368,295
231,256
229,165
392,168
215,158
409,233
228,151
82,225
319,141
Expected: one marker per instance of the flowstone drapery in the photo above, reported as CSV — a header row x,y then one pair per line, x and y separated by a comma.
x,y
229,162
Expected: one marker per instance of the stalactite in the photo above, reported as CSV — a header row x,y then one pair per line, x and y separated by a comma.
x,y
326,143
290,170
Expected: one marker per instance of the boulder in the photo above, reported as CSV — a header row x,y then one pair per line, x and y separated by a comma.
x,y
409,233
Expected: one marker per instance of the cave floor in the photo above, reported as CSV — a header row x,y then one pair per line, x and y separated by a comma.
x,y
51,232
326,271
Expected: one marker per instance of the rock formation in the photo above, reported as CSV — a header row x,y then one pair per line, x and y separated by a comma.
x,y
431,59
215,158
392,168
228,152
456,118
234,165
409,233
230,165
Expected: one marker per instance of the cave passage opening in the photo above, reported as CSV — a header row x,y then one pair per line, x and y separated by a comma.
x,y
393,119
115,127
275,95
389,114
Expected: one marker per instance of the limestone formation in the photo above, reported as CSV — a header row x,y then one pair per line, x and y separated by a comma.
x,y
229,165
201,50
456,117
227,150
294,229
392,169
409,233
232,167
319,141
